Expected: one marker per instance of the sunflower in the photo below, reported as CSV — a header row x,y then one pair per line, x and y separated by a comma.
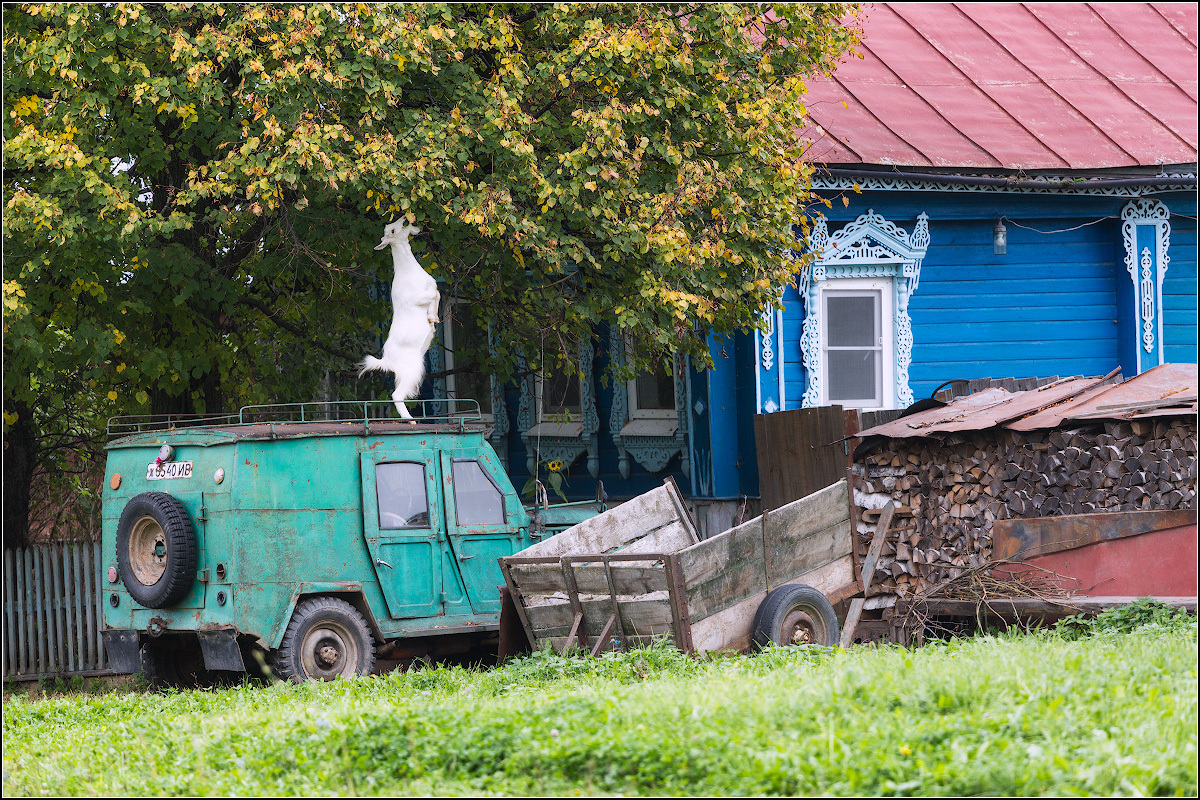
x,y
554,466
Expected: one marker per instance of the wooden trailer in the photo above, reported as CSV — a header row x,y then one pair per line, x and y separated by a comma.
x,y
639,571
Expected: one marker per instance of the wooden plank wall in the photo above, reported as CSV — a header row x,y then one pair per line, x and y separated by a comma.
x,y
799,452
52,613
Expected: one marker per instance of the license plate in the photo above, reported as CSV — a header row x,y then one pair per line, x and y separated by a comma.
x,y
168,470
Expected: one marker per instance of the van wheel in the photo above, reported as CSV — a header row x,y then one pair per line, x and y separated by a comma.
x,y
795,614
326,639
156,549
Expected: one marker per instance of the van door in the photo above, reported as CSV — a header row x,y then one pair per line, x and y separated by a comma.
x,y
484,523
404,529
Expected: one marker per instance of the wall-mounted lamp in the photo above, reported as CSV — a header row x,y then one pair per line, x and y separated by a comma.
x,y
999,238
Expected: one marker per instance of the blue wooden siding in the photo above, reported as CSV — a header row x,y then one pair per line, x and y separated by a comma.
x,y
1179,285
1050,306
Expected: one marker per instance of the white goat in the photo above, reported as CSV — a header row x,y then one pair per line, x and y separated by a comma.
x,y
415,300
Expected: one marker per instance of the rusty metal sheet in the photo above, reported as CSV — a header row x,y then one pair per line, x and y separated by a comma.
x,y
982,410
1163,386
1018,539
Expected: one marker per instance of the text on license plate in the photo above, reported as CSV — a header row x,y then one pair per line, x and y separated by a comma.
x,y
167,470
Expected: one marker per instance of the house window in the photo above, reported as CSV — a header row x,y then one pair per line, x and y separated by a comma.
x,y
856,343
462,332
652,395
558,393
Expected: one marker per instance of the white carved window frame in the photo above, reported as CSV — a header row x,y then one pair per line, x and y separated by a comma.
x,y
885,288
651,437
870,247
1147,269
562,441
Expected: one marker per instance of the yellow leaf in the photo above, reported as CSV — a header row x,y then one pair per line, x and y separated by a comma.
x,y
112,395
120,368
846,201
9,418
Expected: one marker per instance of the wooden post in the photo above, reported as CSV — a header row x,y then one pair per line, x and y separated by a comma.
x,y
868,572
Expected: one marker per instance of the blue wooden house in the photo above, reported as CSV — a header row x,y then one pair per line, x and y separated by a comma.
x,y
1011,193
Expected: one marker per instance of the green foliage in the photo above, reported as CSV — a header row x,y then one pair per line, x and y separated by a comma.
x,y
1126,618
1008,715
193,191
184,180
555,479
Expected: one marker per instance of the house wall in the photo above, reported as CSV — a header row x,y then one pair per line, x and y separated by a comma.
x,y
1052,305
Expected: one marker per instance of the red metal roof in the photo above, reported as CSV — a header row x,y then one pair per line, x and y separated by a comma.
x,y
1013,86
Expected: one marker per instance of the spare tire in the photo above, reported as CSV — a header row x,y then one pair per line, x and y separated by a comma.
x,y
156,549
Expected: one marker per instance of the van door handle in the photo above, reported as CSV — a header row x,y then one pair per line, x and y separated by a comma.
x,y
383,563
464,558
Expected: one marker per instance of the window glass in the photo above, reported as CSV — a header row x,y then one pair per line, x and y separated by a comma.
x,y
560,392
465,332
853,347
656,391
477,501
400,490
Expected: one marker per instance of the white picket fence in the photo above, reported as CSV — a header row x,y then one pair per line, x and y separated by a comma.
x,y
52,614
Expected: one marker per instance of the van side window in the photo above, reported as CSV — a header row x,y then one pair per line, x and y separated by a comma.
x,y
400,489
477,501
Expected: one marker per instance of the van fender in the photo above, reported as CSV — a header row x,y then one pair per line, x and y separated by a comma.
x,y
350,591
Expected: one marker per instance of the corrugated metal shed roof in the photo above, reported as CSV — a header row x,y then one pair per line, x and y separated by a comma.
x,y
1013,86
1166,390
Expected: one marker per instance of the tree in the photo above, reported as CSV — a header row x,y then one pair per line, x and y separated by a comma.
x,y
193,192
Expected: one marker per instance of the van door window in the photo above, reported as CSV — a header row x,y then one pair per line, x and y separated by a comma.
x,y
477,500
403,502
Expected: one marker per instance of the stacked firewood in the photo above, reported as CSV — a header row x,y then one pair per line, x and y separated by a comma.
x,y
950,490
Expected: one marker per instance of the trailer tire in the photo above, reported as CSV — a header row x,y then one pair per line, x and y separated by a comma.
x,y
795,614
156,550
327,638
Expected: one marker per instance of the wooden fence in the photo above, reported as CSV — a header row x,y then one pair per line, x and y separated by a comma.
x,y
52,614
806,449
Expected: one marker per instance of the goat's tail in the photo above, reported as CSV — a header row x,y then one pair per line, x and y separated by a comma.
x,y
369,363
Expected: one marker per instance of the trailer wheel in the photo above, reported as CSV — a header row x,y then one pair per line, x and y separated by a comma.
x,y
326,639
156,549
795,614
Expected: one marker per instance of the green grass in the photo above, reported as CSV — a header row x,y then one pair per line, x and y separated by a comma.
x,y
1109,713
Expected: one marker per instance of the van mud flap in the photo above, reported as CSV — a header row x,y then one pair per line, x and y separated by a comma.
x,y
123,648
220,649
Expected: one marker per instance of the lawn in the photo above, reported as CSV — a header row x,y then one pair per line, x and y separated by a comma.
x,y
1106,713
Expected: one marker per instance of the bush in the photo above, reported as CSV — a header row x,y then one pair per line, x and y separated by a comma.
x,y
1124,619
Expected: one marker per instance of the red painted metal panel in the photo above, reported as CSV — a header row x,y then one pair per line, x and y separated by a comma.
x,y
1159,563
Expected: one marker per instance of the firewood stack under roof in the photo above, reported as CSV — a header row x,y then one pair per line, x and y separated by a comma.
x,y
1075,447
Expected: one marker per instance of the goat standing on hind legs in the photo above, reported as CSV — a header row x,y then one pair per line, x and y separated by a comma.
x,y
415,300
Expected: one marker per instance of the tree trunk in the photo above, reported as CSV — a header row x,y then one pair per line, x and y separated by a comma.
x,y
20,455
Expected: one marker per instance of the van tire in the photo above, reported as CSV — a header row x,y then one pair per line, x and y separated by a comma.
x,y
156,550
795,614
326,639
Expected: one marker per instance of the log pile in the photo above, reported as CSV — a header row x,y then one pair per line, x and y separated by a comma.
x,y
950,490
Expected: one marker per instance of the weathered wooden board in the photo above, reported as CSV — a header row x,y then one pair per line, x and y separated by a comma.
x,y
703,561
534,579
643,616
1022,538
620,525
670,538
808,533
730,628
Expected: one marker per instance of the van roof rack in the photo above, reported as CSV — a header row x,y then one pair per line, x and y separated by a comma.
x,y
440,411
